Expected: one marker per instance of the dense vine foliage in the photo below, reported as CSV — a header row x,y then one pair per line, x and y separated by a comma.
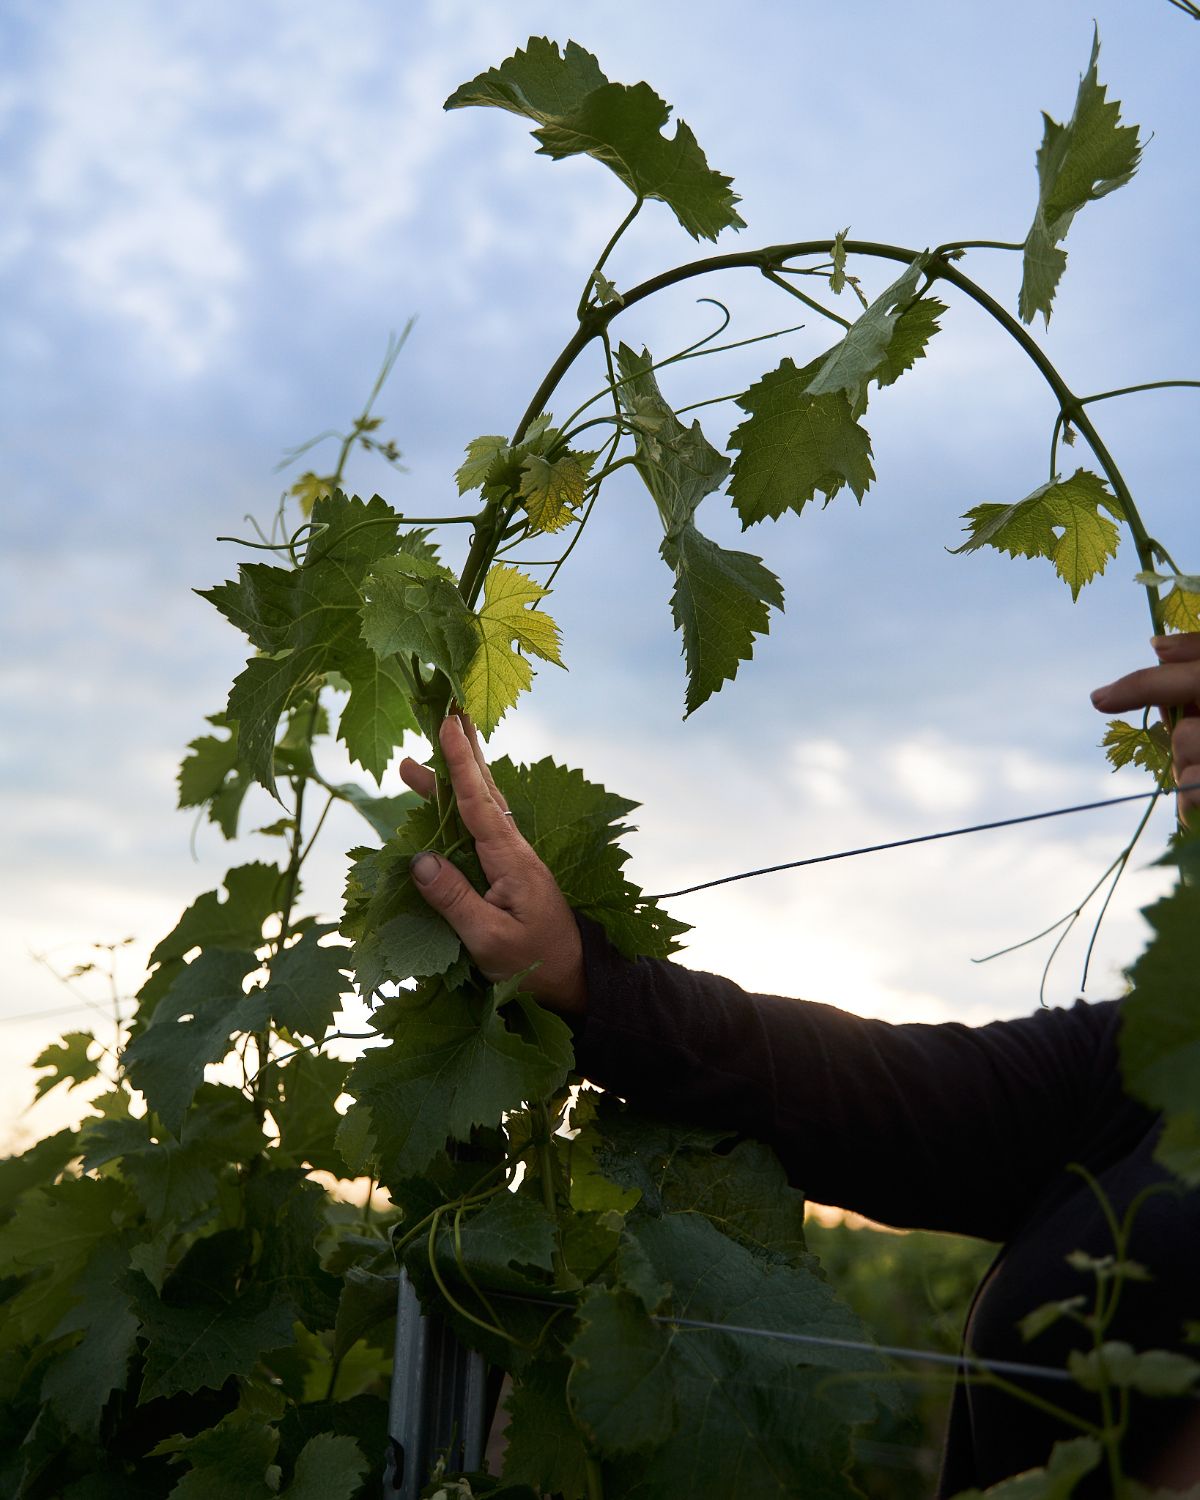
x,y
190,1311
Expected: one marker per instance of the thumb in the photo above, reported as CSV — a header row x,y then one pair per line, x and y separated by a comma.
x,y
449,892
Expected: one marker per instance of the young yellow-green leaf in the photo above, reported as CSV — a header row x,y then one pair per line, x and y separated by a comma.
x,y
1181,607
68,1062
552,491
854,362
578,111
794,444
1076,163
496,675
720,603
482,453
1148,747
1061,520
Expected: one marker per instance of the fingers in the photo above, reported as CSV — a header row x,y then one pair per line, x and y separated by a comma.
x,y
420,778
1174,684
1185,758
478,923
498,842
485,770
1183,647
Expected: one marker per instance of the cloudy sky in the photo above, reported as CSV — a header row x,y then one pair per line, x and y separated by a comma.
x,y
215,213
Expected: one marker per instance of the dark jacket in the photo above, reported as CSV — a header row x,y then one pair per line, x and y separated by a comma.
x,y
950,1127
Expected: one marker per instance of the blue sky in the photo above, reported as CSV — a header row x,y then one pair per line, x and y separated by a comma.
x,y
215,213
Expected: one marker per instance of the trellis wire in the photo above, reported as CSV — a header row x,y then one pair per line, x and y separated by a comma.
x,y
927,838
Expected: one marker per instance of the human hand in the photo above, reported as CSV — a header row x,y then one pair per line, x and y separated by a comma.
x,y
1174,683
524,918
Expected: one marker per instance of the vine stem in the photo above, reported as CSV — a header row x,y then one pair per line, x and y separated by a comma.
x,y
769,259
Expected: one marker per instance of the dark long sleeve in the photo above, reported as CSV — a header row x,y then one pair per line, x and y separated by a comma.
x,y
946,1127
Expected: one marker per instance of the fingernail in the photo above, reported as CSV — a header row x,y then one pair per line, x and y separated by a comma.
x,y
456,720
425,867
1161,643
1101,697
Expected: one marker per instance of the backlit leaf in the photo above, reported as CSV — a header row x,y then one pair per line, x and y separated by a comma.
x,y
1147,746
67,1061
851,364
508,616
1063,520
795,444
552,491
412,607
1076,163
577,110
1069,1462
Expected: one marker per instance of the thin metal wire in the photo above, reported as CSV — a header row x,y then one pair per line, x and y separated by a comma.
x,y
927,838
894,1351
823,1341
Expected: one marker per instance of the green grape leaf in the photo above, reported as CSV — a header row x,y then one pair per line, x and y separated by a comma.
x,y
1152,1372
306,985
418,944
709,1428
510,1231
573,825
79,1382
1041,1318
867,347
721,598
553,491
204,1340
38,1166
497,675
385,814
454,1063
1147,746
678,464
308,1087
794,444
330,1467
1076,164
482,453
1061,520
1069,1462
286,1213
915,326
377,715
1160,1033
1179,1147
191,1027
305,622
366,1306
212,775
720,603
228,1462
67,1061
411,607
545,1449
253,893
396,934
578,111
638,1411
52,1236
